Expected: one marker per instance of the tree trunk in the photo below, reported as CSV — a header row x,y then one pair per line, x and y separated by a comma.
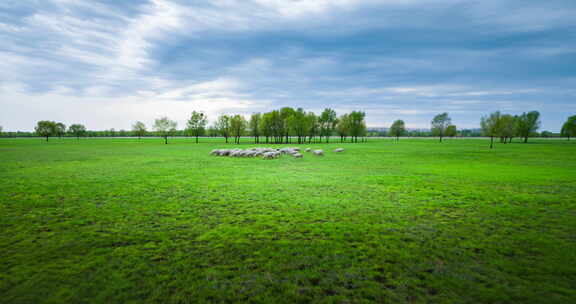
x,y
46,138
491,141
525,139
166,140
440,138
226,137
196,138
397,138
77,137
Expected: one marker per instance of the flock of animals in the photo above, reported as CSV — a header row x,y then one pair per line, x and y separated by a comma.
x,y
268,153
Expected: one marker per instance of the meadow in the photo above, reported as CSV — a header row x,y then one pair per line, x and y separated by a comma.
x,y
137,221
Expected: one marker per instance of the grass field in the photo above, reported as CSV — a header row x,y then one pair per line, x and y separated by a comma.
x,y
129,221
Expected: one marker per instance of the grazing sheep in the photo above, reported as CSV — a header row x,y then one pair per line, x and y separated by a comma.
x,y
215,152
308,149
297,155
270,155
339,150
319,152
224,152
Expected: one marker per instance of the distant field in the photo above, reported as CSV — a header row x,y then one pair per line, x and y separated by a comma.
x,y
127,220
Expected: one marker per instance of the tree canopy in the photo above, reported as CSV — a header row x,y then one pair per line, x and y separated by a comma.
x,y
397,129
139,129
439,124
165,127
528,124
196,125
77,130
46,128
569,127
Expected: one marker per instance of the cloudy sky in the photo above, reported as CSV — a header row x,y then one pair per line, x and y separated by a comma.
x,y
108,63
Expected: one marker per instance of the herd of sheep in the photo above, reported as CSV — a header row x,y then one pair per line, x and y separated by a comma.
x,y
267,153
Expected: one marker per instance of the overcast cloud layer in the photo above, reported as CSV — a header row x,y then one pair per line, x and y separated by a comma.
x,y
108,63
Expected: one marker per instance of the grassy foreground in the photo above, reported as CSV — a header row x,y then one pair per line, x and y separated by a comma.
x,y
129,221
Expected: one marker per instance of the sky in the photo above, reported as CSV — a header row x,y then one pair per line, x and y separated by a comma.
x,y
109,63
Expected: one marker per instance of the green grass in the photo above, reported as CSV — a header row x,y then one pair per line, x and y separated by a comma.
x,y
128,221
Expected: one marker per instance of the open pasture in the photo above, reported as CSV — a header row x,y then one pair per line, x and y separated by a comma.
x,y
132,221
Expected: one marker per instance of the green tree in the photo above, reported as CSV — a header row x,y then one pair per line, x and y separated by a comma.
x,y
255,120
569,127
196,125
277,126
327,122
343,127
165,127
284,125
238,126
528,124
491,126
298,124
357,124
223,126
45,128
212,131
60,129
507,127
77,130
439,124
312,126
451,131
139,129
266,126
397,129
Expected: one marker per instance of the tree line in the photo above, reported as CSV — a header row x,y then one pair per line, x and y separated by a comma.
x,y
288,125
278,126
506,126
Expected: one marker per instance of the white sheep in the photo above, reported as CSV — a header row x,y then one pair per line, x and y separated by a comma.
x,y
297,155
319,152
270,155
339,150
308,149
